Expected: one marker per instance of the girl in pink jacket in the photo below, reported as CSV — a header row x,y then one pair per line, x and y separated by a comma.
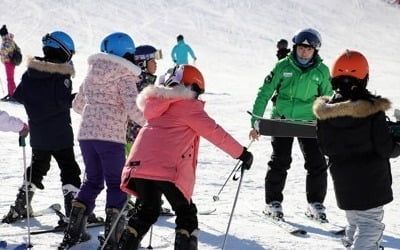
x,y
163,157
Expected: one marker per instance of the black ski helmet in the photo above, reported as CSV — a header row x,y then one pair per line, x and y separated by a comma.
x,y
282,44
179,38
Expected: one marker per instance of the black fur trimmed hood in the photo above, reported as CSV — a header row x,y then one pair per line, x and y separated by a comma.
x,y
49,67
357,109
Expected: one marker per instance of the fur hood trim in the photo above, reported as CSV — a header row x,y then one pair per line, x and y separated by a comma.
x,y
162,92
357,109
44,66
115,59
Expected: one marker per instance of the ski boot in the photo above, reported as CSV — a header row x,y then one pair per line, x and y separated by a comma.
x,y
316,211
274,210
186,241
111,217
69,192
20,209
76,229
130,240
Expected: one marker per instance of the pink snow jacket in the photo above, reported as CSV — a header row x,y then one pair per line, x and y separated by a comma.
x,y
107,97
10,123
167,146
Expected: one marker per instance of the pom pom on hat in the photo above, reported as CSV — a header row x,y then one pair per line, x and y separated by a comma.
x,y
3,30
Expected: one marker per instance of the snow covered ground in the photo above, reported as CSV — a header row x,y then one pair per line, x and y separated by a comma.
x,y
235,44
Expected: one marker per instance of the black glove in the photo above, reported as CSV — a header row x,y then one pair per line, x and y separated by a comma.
x,y
247,159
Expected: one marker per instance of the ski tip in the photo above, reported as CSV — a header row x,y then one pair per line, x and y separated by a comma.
x,y
339,232
299,232
208,212
56,206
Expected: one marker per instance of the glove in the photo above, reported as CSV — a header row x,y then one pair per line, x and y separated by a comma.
x,y
24,131
247,159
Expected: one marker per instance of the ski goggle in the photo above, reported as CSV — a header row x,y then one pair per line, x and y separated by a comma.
x,y
172,78
307,38
48,39
156,55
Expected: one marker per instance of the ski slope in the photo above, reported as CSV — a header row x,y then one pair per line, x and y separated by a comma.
x,y
234,41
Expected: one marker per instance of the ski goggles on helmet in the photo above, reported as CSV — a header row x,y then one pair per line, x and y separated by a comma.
x,y
156,55
48,39
173,78
306,38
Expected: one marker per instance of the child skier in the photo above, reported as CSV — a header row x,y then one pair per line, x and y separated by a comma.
x,y
7,48
352,131
175,121
145,57
105,100
45,91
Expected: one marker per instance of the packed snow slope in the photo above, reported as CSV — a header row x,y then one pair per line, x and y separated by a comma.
x,y
234,41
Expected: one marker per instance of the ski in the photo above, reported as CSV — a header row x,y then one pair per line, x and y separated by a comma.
x,y
61,228
49,210
22,246
286,226
325,225
92,222
208,211
3,245
282,224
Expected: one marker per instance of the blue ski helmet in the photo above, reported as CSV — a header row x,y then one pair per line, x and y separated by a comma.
x,y
309,37
118,44
59,40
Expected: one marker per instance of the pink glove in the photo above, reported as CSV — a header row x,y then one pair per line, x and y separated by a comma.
x,y
24,131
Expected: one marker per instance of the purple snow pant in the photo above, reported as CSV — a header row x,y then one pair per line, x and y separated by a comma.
x,y
104,162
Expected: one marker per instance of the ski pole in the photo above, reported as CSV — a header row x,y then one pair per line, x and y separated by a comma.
x,y
235,169
151,236
2,88
22,144
233,207
114,225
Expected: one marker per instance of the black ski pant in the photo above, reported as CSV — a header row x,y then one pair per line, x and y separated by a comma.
x,y
40,165
150,192
314,163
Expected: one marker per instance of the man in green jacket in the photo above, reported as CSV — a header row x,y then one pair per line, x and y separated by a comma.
x,y
292,86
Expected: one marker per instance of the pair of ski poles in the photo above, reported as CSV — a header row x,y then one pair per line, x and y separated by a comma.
x,y
237,167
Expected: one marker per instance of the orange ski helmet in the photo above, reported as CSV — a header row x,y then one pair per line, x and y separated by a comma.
x,y
351,63
187,75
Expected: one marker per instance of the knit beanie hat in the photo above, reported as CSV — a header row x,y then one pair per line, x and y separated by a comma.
x,y
3,30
